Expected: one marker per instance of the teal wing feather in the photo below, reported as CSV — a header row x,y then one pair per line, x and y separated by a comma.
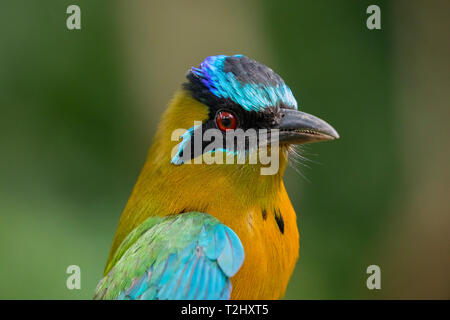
x,y
187,256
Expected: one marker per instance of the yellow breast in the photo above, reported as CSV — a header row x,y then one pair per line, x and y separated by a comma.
x,y
270,255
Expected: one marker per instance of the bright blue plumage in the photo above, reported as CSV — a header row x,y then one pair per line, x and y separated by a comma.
x,y
176,159
189,256
237,78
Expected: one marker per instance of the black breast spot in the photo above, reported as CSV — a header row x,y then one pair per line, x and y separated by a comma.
x,y
279,220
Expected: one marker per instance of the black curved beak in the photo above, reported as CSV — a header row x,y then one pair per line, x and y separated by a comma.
x,y
298,127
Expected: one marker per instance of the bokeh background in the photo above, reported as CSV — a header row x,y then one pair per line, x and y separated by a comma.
x,y
79,108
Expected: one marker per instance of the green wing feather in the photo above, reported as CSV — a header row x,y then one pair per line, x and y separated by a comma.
x,y
186,256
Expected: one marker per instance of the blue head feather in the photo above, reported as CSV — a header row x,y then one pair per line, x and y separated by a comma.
x,y
186,137
245,81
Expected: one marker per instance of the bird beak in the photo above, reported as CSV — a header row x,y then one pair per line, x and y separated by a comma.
x,y
298,127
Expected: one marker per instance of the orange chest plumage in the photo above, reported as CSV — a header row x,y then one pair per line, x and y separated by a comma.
x,y
271,242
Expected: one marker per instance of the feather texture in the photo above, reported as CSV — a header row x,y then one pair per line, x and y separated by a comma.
x,y
187,256
248,83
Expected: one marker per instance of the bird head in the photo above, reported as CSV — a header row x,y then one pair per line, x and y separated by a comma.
x,y
228,94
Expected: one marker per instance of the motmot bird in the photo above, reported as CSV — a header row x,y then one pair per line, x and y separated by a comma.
x,y
211,230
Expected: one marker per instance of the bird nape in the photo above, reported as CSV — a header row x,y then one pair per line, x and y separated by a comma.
x,y
204,220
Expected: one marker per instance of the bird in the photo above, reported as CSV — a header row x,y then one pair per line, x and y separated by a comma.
x,y
193,230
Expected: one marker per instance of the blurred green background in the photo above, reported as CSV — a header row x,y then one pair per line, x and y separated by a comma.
x,y
79,108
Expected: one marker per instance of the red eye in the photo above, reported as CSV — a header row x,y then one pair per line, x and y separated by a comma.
x,y
226,121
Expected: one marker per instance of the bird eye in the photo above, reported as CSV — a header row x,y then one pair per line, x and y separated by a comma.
x,y
226,121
